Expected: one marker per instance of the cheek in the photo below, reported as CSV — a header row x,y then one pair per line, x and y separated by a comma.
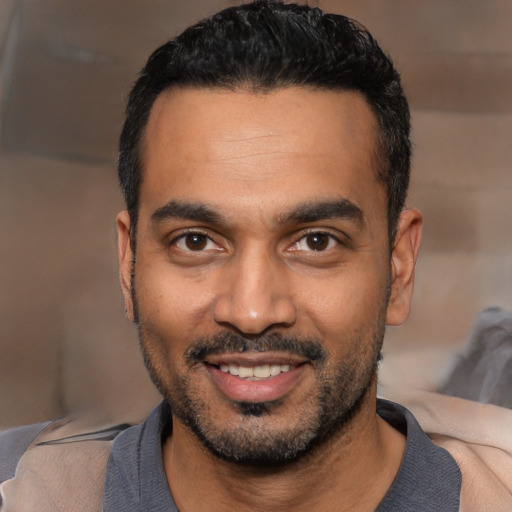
x,y
347,304
173,306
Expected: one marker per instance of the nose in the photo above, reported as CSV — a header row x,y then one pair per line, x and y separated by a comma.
x,y
254,295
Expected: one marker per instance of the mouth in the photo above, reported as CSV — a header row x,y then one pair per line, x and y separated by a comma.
x,y
255,377
259,372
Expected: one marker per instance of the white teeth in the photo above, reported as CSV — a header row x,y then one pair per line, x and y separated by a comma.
x,y
244,372
275,369
263,371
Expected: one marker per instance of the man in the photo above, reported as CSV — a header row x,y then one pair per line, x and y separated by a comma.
x,y
265,246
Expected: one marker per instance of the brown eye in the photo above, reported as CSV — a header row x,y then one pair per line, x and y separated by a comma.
x,y
196,241
317,241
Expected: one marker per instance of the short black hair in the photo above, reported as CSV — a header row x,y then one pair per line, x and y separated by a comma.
x,y
266,45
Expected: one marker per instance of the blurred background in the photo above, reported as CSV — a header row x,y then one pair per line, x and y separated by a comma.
x,y
66,67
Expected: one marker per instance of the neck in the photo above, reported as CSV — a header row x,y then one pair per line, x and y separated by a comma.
x,y
350,471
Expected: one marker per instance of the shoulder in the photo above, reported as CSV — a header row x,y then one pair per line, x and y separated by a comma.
x,y
60,463
13,444
486,474
478,437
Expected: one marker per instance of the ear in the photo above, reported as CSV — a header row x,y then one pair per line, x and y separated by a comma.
x,y
125,257
403,260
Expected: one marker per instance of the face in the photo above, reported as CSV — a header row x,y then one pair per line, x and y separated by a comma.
x,y
262,275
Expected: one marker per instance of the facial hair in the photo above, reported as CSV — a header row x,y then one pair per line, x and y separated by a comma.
x,y
339,391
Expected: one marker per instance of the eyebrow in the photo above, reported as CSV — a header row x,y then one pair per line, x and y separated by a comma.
x,y
320,210
303,213
187,211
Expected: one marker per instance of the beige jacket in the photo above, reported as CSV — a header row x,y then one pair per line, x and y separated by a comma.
x,y
478,436
69,477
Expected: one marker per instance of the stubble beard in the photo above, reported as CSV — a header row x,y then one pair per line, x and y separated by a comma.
x,y
340,391
338,395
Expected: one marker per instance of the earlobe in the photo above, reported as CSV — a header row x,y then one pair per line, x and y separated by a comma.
x,y
403,261
125,257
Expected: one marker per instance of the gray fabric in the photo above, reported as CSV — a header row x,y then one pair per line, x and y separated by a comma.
x,y
13,444
135,478
483,371
429,479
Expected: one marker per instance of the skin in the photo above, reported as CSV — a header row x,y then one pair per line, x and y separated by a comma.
x,y
251,159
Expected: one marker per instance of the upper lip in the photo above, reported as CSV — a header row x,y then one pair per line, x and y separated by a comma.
x,y
250,359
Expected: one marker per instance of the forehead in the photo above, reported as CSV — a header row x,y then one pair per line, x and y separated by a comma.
x,y
244,148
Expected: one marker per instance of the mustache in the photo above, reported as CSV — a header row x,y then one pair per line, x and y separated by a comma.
x,y
228,342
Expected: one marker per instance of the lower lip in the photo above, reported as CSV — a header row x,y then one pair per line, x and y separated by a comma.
x,y
265,390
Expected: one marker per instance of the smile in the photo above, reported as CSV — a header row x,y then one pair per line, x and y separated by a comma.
x,y
263,371
255,377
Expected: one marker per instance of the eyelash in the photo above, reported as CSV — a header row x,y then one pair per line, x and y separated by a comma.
x,y
183,237
330,240
303,237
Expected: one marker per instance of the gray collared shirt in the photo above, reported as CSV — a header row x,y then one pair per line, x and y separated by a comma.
x,y
428,480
